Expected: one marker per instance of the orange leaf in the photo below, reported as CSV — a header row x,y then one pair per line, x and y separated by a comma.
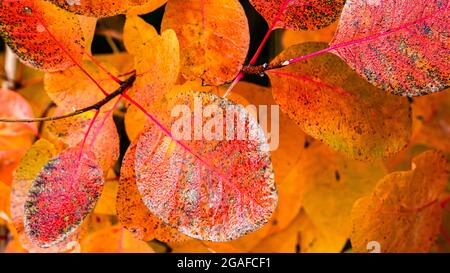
x,y
71,89
334,104
402,214
113,240
42,35
157,62
332,183
217,189
213,47
71,131
99,8
132,212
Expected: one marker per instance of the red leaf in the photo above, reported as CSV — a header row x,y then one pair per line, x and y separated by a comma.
x,y
100,8
41,34
300,14
398,45
214,190
62,195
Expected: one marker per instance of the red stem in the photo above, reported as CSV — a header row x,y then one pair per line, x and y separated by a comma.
x,y
271,28
73,59
364,39
97,63
260,48
107,115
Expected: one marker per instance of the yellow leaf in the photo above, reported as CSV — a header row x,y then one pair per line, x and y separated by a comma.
x,y
113,240
137,34
402,214
332,183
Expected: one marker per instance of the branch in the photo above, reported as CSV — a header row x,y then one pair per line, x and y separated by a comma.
x,y
260,69
124,86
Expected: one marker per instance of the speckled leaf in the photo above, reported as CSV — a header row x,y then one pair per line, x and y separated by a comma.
x,y
403,214
397,45
334,104
30,165
71,89
146,8
71,131
99,8
33,161
292,37
15,135
300,14
287,146
41,34
214,37
222,189
131,210
62,195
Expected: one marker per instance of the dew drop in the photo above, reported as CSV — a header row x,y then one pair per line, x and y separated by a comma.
x,y
27,10
40,28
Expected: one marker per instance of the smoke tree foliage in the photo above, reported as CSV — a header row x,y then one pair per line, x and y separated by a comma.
x,y
89,161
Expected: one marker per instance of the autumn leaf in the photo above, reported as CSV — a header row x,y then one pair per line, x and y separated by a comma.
x,y
432,120
291,37
103,136
87,25
146,8
332,103
15,135
30,165
131,210
213,44
15,138
300,236
287,145
137,34
403,214
113,240
396,45
107,203
100,8
62,195
214,190
197,246
71,89
299,14
332,183
157,63
122,63
42,35
4,201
